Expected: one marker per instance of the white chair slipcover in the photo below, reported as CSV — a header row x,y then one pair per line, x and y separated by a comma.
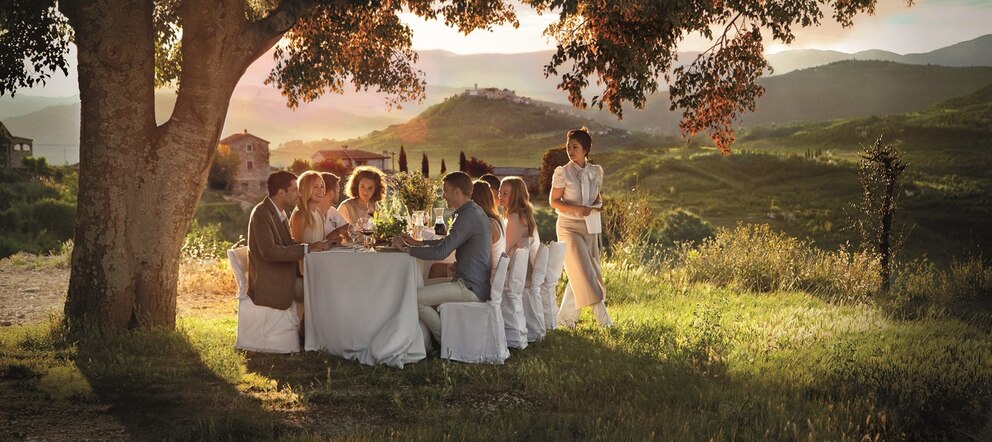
x,y
261,329
473,331
513,308
533,301
556,262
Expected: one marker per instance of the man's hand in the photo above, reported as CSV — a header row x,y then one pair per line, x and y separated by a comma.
x,y
319,246
400,244
409,240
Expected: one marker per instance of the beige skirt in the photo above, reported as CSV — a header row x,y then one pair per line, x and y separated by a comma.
x,y
582,261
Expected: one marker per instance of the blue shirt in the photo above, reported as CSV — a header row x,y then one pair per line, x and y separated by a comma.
x,y
469,237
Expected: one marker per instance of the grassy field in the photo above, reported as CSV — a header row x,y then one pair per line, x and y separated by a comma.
x,y
684,362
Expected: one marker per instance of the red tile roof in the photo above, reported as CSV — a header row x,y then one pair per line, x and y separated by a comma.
x,y
354,154
238,137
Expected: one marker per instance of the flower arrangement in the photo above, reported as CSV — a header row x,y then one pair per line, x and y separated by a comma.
x,y
414,190
387,226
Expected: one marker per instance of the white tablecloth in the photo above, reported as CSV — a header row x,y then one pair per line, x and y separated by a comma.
x,y
363,306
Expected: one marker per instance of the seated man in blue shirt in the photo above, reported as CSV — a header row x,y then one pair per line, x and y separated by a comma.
x,y
469,238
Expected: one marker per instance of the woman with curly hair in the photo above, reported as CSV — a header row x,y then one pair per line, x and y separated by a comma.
x,y
366,187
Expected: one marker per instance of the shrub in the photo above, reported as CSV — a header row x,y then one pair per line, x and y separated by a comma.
x,y
223,170
680,225
627,221
55,216
546,224
549,162
204,243
756,258
475,167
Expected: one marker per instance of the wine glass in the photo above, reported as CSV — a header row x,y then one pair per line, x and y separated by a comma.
x,y
354,232
367,229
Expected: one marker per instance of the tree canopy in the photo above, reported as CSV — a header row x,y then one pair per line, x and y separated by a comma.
x,y
619,51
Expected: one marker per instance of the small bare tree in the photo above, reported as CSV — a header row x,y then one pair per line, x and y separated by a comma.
x,y
880,168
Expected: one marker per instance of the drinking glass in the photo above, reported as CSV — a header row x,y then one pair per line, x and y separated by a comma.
x,y
368,231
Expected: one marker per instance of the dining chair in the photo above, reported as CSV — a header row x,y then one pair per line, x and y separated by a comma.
x,y
473,331
549,289
261,329
513,308
532,300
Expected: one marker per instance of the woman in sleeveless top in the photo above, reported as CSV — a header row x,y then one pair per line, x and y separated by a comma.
x,y
575,195
306,224
518,213
484,198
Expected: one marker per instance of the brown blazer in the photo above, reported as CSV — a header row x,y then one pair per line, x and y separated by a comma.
x,y
273,258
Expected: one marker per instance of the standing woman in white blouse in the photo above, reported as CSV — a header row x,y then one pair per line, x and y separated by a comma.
x,y
575,196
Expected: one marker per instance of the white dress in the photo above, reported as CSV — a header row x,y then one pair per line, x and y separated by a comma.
x,y
315,232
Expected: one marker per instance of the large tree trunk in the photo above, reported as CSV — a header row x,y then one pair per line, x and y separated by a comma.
x,y
139,184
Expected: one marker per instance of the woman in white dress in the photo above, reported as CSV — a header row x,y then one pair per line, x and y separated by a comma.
x,y
482,196
366,187
335,227
306,224
518,213
575,195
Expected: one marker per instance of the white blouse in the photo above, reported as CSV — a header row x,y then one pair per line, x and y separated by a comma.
x,y
582,184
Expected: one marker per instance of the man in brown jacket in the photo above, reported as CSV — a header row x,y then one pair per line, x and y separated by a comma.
x,y
274,279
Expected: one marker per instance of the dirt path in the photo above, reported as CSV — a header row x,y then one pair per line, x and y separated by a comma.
x,y
30,290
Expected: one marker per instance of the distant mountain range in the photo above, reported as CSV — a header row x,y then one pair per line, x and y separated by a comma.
x,y
838,90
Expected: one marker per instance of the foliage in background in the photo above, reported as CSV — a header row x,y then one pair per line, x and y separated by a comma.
x,y
756,258
37,207
333,166
204,243
223,170
475,167
546,220
444,167
402,162
299,166
552,158
680,225
425,166
627,219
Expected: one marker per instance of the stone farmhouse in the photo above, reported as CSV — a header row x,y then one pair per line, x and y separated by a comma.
x,y
253,171
13,150
352,158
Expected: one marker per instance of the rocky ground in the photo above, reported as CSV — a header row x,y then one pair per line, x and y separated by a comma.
x,y
30,291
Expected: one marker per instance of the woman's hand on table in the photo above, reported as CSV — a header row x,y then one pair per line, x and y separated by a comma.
x,y
338,235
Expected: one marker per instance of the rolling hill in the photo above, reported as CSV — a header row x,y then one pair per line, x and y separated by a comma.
x,y
500,131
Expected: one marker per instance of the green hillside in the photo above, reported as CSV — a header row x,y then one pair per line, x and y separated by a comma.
x,y
953,137
502,132
945,208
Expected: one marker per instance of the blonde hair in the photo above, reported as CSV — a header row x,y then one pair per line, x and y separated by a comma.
x,y
520,203
305,183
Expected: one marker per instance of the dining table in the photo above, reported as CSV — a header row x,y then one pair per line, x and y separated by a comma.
x,y
362,305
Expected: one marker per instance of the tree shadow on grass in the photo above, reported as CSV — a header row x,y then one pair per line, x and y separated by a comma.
x,y
633,382
160,385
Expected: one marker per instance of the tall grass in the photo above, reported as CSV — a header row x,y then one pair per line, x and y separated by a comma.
x,y
756,258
